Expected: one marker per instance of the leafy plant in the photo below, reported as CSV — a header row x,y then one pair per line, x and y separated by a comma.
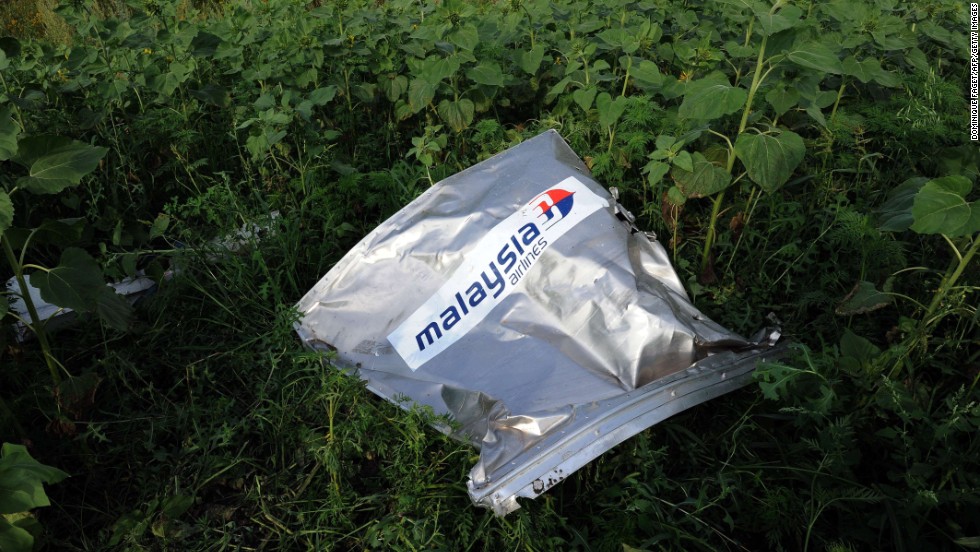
x,y
936,207
52,164
764,134
22,481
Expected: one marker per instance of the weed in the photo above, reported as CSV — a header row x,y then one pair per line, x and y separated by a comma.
x,y
769,144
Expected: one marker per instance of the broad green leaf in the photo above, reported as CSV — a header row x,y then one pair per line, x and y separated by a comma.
x,y
862,299
60,232
936,32
466,37
435,69
128,263
8,135
684,160
323,96
14,538
177,505
393,85
32,99
782,99
646,74
899,40
815,55
706,178
940,207
856,352
420,94
857,347
705,101
868,70
487,73
738,50
457,114
742,5
61,168
772,23
165,84
305,109
263,102
846,10
917,58
959,185
656,171
213,94
21,479
888,79
531,60
610,110
600,65
665,142
770,159
620,38
584,97
75,283
824,98
814,112
403,110
205,44
259,144
181,70
6,212
864,71
557,89
160,225
676,196
113,309
973,225
895,214
32,148
715,153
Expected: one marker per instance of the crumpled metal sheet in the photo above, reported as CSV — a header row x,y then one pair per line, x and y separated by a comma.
x,y
518,297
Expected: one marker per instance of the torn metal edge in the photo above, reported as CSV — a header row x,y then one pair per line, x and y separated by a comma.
x,y
611,422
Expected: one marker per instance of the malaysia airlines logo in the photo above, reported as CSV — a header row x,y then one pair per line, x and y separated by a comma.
x,y
497,264
554,205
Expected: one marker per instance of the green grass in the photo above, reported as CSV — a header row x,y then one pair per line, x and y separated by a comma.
x,y
206,426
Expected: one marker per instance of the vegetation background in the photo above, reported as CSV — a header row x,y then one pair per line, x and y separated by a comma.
x,y
809,159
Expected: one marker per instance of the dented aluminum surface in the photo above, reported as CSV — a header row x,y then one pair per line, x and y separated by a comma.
x,y
518,297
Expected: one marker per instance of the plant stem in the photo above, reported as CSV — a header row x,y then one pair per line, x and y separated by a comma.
x,y
840,92
716,208
626,78
37,325
709,238
756,81
20,117
950,280
530,24
751,202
